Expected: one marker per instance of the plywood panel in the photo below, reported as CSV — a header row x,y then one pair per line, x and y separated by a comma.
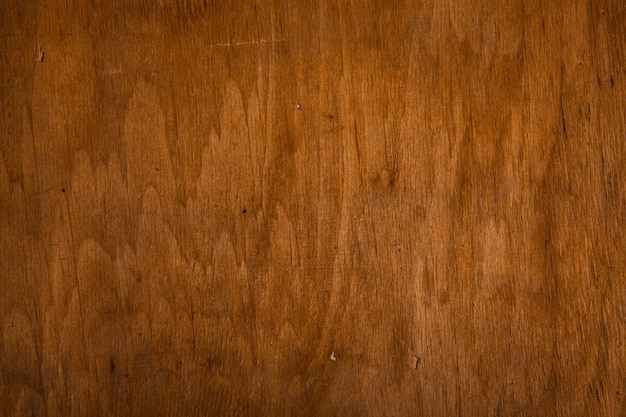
x,y
312,208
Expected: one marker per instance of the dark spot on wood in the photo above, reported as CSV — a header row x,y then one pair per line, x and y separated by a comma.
x,y
112,365
62,190
385,179
611,81
244,211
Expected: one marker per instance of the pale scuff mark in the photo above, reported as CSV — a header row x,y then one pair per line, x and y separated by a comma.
x,y
40,55
416,361
333,357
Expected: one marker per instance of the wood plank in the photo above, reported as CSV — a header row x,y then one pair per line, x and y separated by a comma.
x,y
328,208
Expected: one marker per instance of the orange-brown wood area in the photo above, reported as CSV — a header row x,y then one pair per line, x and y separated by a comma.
x,y
312,208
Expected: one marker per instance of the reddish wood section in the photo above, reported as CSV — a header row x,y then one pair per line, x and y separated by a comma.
x,y
312,208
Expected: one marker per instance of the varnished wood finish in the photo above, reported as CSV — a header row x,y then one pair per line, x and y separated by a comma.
x,y
312,208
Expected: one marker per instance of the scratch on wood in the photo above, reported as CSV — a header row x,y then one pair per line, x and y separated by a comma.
x,y
246,43
563,120
40,192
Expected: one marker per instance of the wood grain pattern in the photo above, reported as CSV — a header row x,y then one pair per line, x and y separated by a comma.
x,y
312,208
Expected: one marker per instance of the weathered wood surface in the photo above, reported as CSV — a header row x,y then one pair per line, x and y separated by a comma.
x,y
312,208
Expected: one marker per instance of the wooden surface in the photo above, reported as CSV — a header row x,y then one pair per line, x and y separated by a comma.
x,y
312,208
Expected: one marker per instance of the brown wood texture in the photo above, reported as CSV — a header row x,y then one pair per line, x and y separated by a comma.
x,y
312,208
